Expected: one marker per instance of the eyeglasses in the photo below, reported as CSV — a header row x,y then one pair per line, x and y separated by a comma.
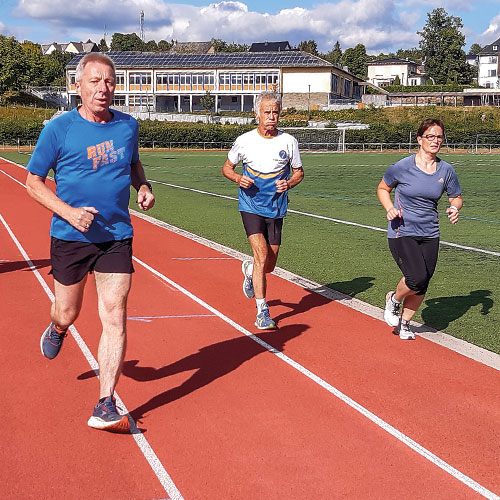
x,y
432,137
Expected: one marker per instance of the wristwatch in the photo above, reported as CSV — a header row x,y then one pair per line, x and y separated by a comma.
x,y
145,183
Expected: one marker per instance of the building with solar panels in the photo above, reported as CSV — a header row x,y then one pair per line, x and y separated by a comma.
x,y
166,82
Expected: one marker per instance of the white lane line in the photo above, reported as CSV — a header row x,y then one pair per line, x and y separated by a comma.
x,y
324,217
142,442
460,346
202,258
148,319
466,480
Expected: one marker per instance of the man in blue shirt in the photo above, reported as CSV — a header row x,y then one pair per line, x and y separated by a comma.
x,y
93,152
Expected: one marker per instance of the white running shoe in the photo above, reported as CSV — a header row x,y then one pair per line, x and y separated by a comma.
x,y
392,310
405,332
246,269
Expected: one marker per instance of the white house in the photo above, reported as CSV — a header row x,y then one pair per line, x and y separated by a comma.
x,y
488,61
385,71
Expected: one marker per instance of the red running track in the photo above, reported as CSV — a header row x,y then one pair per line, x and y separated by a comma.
x,y
219,414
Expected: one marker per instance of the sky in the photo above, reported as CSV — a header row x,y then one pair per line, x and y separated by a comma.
x,y
381,25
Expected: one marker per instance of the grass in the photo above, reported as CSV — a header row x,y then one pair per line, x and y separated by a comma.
x,y
464,293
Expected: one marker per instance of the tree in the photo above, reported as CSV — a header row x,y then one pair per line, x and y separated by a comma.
x,y
103,46
397,80
164,46
126,42
54,68
12,64
34,64
335,55
413,54
208,103
441,43
151,46
222,46
308,46
475,48
355,59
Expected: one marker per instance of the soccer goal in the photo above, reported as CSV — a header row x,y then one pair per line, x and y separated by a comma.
x,y
319,139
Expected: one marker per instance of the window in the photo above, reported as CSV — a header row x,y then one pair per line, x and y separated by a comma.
x,y
140,100
335,83
118,100
495,47
138,80
492,72
120,79
347,88
492,60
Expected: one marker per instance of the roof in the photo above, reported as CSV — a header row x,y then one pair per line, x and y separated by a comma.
x,y
269,46
191,47
79,46
488,49
390,61
218,60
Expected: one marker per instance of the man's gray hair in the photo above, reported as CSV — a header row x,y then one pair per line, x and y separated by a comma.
x,y
271,96
92,57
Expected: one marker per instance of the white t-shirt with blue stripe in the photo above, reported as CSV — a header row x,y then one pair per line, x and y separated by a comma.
x,y
265,160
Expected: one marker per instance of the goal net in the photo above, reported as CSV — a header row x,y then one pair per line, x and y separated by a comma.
x,y
318,139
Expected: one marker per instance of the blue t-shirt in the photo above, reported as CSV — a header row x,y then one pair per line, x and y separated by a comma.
x,y
265,160
417,194
91,162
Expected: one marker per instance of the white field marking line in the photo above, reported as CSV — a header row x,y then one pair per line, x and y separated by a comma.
x,y
323,217
148,319
141,441
462,347
466,480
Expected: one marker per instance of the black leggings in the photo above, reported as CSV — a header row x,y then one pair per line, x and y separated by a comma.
x,y
416,256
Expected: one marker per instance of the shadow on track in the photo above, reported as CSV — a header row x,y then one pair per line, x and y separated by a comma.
x,y
19,265
211,362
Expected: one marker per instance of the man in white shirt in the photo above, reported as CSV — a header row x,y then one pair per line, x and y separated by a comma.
x,y
271,166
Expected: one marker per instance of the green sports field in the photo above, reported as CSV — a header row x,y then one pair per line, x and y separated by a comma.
x,y
464,293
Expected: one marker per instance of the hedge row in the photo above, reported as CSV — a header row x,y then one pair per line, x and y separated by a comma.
x,y
386,125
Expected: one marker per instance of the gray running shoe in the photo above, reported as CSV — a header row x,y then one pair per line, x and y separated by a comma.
x,y
264,321
405,332
247,282
392,310
51,342
106,417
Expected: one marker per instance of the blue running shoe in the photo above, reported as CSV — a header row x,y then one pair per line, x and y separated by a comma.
x,y
264,321
51,341
247,282
106,417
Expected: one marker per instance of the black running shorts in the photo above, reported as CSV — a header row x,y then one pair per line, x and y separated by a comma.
x,y
256,224
416,256
72,260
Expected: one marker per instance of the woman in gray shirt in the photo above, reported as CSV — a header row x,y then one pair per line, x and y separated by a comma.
x,y
419,182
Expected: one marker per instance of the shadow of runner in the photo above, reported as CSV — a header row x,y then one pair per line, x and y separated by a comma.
x,y
211,362
441,311
353,287
315,299
18,265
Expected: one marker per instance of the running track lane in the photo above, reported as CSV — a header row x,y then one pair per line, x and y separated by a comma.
x,y
229,419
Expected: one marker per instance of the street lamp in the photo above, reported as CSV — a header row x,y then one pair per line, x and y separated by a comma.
x,y
309,104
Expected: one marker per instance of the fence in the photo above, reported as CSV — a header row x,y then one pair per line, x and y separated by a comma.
x,y
400,147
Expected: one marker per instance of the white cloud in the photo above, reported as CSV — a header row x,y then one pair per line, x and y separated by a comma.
x,y
492,33
377,24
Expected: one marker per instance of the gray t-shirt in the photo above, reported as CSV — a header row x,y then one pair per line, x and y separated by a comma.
x,y
417,194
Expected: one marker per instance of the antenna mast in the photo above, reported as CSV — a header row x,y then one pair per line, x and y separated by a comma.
x,y
143,36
